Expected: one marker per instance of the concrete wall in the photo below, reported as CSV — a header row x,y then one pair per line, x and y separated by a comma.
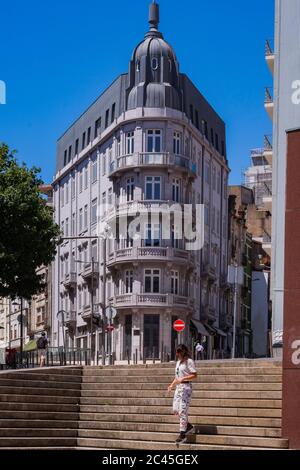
x,y
259,313
286,116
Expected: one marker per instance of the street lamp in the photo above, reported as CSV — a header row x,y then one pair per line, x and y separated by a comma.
x,y
21,327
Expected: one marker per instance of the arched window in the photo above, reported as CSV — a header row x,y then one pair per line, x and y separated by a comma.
x,y
138,65
154,63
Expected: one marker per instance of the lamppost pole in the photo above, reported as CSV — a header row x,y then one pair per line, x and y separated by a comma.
x,y
92,311
234,310
21,332
104,300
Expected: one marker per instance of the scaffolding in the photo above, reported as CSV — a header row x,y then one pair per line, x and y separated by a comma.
x,y
258,176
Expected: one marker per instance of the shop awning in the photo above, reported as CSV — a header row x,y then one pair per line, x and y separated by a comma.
x,y
220,332
30,346
200,327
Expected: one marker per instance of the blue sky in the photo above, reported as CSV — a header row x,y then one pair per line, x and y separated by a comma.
x,y
57,56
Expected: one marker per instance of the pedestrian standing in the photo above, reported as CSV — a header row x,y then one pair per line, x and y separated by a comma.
x,y
199,350
185,372
42,344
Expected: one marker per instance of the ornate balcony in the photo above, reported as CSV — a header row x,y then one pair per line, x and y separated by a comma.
x,y
70,280
131,255
87,311
153,300
70,318
208,272
269,103
157,160
132,208
208,312
269,55
87,271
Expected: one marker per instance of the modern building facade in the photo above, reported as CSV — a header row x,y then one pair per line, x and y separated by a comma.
x,y
150,141
285,62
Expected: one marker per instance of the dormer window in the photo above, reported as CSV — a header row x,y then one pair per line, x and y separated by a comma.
x,y
138,65
154,63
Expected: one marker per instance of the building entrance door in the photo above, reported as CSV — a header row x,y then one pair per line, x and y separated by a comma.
x,y
151,336
127,337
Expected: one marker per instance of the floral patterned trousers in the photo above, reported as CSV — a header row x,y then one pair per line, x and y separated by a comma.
x,y
181,403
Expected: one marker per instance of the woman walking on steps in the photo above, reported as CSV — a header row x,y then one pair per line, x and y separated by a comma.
x,y
185,372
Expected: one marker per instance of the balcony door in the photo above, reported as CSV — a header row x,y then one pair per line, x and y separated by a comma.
x,y
151,336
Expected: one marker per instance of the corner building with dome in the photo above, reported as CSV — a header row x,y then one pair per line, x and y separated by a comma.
x,y
149,140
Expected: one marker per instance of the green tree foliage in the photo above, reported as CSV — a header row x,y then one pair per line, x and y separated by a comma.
x,y
27,231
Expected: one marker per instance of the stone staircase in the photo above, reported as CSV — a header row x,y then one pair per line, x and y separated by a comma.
x,y
235,405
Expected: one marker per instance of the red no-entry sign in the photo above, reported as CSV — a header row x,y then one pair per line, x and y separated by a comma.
x,y
179,325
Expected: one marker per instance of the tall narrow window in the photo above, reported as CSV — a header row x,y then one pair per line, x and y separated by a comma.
x,y
97,128
152,235
177,143
154,141
67,226
103,203
176,190
174,282
130,143
152,281
73,187
118,147
88,136
86,177
109,197
67,192
153,187
80,181
94,211
85,216
212,136
83,141
106,118
76,147
65,157
113,112
94,171
73,224
70,153
62,196
80,220
129,189
94,250
128,282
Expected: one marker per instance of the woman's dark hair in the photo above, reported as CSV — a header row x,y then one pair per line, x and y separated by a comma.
x,y
183,351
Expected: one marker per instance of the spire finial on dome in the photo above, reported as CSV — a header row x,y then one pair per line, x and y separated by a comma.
x,y
154,15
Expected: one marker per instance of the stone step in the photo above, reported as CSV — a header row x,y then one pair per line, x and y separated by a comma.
x,y
45,415
7,406
196,438
23,399
39,384
200,429
91,387
206,363
33,376
142,445
170,418
168,378
171,370
64,370
38,432
51,392
251,412
241,394
38,442
199,403
37,423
